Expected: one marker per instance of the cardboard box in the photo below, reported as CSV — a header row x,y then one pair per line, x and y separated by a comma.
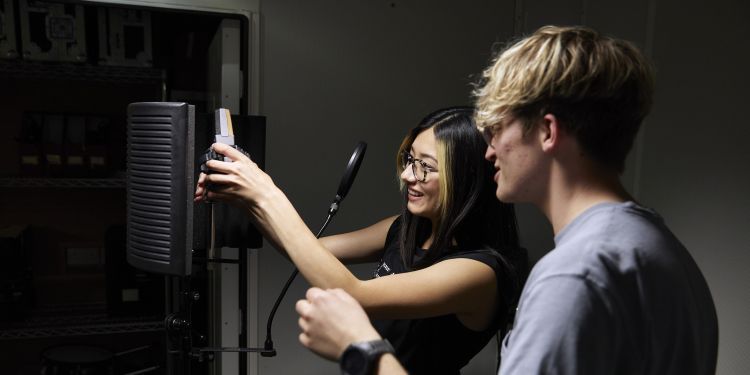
x,y
76,159
97,146
53,138
30,155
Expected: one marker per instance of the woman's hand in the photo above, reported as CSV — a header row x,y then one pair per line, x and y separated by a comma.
x,y
240,181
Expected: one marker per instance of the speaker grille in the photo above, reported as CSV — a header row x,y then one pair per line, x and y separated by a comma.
x,y
160,183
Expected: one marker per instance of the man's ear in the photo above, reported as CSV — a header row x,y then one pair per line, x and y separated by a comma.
x,y
549,132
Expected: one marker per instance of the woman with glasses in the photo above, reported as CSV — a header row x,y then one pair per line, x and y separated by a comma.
x,y
449,267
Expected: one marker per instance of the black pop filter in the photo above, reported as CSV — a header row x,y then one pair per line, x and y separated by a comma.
x,y
346,183
351,171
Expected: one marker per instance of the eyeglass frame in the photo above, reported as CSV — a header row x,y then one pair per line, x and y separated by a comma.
x,y
409,159
489,132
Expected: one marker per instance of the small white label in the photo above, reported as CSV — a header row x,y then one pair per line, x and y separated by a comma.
x,y
130,295
30,160
82,256
75,160
97,160
54,159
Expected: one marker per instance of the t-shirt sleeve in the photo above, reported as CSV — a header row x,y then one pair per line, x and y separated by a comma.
x,y
486,257
501,277
483,256
563,326
393,232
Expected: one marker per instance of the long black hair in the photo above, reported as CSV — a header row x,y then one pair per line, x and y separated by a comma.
x,y
472,218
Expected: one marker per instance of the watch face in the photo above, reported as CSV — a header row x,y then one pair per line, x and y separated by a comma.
x,y
353,362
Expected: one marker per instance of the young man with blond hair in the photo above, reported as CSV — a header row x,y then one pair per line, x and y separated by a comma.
x,y
619,294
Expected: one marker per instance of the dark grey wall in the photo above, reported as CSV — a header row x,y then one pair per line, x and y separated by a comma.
x,y
690,162
695,157
336,72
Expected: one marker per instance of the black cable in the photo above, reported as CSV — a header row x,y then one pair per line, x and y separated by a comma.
x,y
499,342
269,351
346,182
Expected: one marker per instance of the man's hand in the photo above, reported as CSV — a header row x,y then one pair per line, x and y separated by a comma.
x,y
331,320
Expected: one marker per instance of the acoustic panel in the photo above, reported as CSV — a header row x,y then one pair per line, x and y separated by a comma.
x,y
160,185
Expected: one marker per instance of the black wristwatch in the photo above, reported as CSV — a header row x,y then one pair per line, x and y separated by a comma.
x,y
361,358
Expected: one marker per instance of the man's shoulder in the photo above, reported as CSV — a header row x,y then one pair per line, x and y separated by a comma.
x,y
607,221
620,228
609,241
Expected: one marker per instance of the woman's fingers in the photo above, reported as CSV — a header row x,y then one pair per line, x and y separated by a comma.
x,y
239,180
229,152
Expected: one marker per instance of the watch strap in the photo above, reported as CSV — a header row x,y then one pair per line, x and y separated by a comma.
x,y
380,347
371,351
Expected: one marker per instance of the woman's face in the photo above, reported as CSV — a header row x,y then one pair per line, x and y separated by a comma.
x,y
423,196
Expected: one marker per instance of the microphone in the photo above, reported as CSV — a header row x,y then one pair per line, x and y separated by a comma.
x,y
352,167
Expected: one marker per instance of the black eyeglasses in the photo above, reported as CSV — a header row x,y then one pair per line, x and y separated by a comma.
x,y
418,167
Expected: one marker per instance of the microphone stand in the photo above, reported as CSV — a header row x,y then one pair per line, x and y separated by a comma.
x,y
179,324
268,345
352,168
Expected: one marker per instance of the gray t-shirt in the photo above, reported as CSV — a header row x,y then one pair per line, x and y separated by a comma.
x,y
619,294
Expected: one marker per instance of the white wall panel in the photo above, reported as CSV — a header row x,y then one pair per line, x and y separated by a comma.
x,y
221,6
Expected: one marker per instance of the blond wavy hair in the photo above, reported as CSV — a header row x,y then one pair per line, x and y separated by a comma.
x,y
599,87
